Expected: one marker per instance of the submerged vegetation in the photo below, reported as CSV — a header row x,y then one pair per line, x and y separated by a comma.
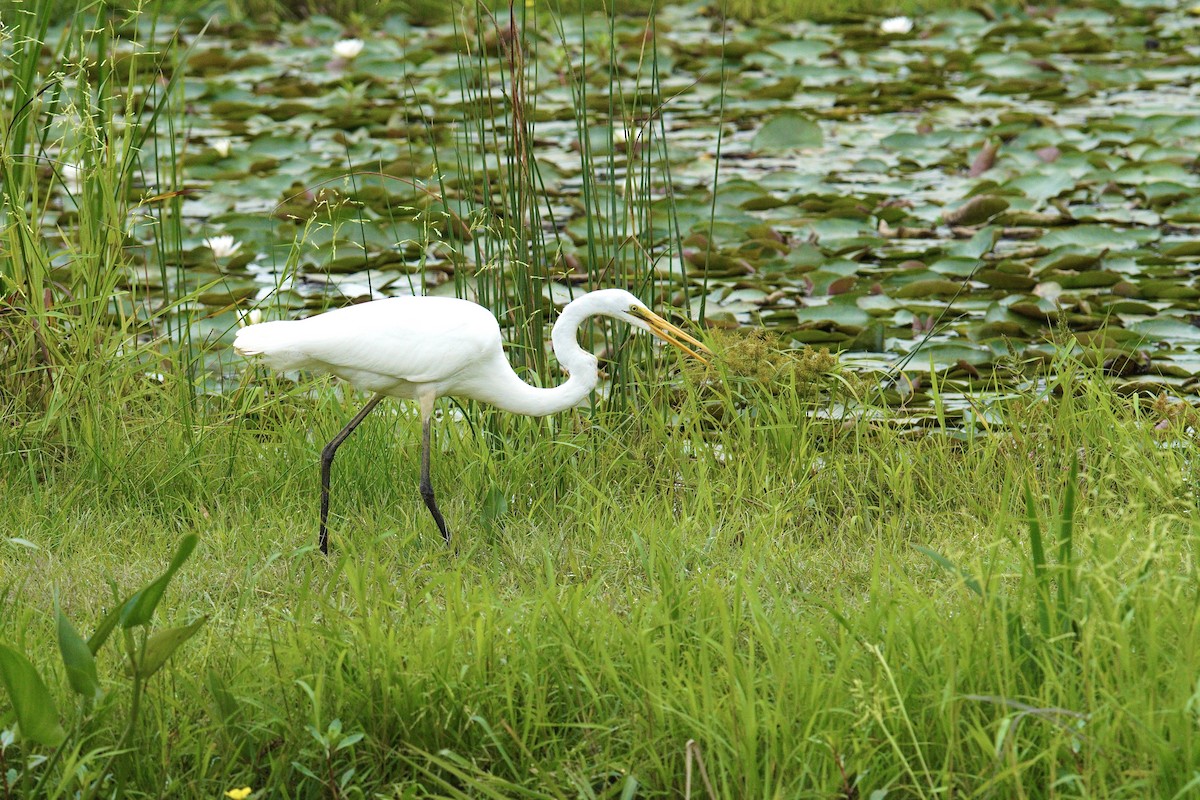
x,y
925,528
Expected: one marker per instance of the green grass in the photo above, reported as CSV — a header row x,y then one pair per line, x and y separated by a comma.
x,y
692,590
771,604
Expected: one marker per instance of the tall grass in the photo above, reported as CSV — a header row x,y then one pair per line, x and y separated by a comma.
x,y
703,589
499,190
802,608
83,118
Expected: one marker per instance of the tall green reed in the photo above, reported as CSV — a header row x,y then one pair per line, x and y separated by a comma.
x,y
80,172
523,264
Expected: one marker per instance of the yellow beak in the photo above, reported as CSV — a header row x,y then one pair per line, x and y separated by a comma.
x,y
668,332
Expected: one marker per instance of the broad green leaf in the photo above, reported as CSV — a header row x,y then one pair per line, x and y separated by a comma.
x,y
958,267
975,211
837,313
162,645
104,629
34,706
799,50
1166,329
982,242
1097,237
947,354
77,658
787,132
139,608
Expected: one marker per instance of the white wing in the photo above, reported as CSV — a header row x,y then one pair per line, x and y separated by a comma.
x,y
385,345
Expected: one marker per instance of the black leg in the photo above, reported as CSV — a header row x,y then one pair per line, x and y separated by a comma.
x,y
327,464
427,485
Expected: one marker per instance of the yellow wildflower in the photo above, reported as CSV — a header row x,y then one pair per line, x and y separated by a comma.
x,y
239,794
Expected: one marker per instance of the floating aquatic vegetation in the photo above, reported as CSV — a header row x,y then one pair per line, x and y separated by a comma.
x,y
998,180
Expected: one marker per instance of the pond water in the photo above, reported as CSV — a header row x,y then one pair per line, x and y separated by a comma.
x,y
968,196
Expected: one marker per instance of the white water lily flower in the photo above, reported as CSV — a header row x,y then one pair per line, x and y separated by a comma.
x,y
222,246
347,48
223,146
896,25
251,317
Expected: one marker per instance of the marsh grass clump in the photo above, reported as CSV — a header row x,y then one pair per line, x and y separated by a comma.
x,y
762,355
1173,415
756,366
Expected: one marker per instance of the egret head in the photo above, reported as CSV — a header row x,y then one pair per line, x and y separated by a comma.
x,y
622,305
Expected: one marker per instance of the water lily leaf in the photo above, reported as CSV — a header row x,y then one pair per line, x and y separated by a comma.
x,y
1044,184
787,132
841,314
1141,174
799,50
1130,307
977,246
945,354
933,287
1167,290
1182,249
1098,237
1005,280
999,330
1090,279
1166,329
1034,311
818,336
1160,194
1068,257
1186,211
975,211
958,267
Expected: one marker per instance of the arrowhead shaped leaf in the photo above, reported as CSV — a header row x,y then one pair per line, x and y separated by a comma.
x,y
77,658
32,702
104,629
163,645
139,608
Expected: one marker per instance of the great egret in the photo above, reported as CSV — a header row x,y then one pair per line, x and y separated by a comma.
x,y
422,348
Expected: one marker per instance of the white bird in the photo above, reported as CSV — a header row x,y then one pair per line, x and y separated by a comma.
x,y
423,348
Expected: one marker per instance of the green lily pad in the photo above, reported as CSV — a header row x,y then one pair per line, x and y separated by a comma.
x,y
1167,290
1166,329
787,132
933,287
1005,280
975,211
1098,237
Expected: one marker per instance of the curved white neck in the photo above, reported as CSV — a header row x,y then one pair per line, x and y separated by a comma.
x,y
510,393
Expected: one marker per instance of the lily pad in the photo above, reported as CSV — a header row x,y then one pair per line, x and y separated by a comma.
x,y
975,211
788,132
